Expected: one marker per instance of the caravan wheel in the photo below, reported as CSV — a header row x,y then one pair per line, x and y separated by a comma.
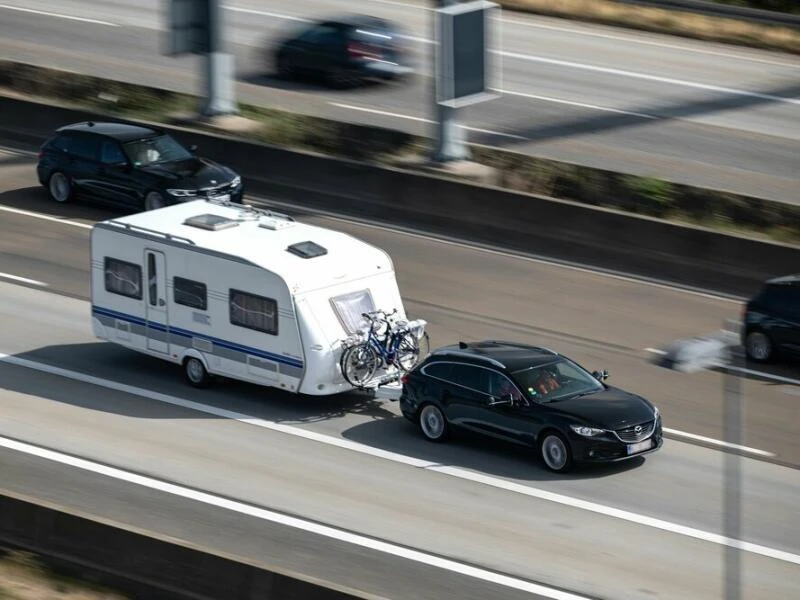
x,y
196,373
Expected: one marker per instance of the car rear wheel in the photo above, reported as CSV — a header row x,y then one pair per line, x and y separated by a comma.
x,y
195,372
60,187
555,452
154,200
758,346
341,78
432,423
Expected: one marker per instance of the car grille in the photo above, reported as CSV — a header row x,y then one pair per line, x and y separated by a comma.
x,y
214,191
630,434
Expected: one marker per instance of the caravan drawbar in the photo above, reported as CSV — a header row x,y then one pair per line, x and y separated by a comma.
x,y
228,289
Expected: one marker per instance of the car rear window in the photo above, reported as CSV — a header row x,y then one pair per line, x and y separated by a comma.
x,y
61,142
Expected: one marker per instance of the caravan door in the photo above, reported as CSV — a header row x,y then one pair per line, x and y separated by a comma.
x,y
157,322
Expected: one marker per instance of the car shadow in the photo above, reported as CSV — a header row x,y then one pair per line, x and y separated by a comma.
x,y
473,452
131,384
130,375
36,199
305,83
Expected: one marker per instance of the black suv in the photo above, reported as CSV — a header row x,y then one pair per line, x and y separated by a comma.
x,y
530,396
132,166
346,51
771,320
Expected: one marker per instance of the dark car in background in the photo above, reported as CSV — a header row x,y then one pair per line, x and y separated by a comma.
x,y
131,166
346,51
530,396
771,320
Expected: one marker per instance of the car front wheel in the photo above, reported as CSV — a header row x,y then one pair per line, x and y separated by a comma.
x,y
432,423
60,187
555,452
758,346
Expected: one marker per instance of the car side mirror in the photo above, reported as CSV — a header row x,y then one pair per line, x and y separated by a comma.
x,y
600,375
504,400
193,148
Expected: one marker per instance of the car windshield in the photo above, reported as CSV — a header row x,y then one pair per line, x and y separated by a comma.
x,y
154,150
556,380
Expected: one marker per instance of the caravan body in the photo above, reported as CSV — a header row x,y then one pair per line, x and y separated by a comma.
x,y
253,295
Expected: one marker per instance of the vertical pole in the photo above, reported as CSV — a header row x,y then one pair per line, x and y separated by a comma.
x,y
450,140
218,68
732,478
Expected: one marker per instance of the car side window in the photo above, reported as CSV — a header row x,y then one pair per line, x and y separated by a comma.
x,y
62,142
111,153
439,370
467,376
497,385
320,34
84,146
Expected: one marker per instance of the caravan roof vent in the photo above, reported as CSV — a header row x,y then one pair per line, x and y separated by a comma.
x,y
274,222
307,249
210,222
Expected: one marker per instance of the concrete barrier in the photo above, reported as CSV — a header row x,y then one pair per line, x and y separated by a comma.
x,y
143,565
559,229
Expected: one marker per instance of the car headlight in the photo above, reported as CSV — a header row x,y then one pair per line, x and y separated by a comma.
x,y
656,413
586,431
182,193
236,181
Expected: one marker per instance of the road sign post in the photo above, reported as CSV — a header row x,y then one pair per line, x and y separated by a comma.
x,y
196,27
463,66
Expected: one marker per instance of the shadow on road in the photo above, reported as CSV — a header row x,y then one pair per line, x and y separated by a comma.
x,y
35,199
598,122
355,416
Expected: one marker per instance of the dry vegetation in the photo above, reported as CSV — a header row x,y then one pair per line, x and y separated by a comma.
x,y
664,21
23,577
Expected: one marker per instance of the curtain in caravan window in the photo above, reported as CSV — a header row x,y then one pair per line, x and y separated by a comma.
x,y
350,307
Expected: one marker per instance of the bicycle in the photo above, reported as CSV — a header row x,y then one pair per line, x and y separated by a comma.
x,y
399,345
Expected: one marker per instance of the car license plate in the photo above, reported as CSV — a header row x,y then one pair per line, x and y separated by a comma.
x,y
221,198
640,446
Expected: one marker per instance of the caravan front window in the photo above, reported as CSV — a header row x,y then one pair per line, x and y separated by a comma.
x,y
254,312
350,307
123,278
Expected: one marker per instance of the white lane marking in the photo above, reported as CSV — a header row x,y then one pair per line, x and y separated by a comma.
x,y
444,240
532,492
622,38
449,241
251,11
58,15
22,279
580,104
295,522
745,370
28,213
421,119
708,440
648,77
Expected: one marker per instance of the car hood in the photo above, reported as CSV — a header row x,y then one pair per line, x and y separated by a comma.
x,y
192,173
611,408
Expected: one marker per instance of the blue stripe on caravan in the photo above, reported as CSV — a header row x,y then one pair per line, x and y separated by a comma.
x,y
293,362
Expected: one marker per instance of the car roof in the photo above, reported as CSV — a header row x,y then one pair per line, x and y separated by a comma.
x,y
364,21
123,132
512,356
785,280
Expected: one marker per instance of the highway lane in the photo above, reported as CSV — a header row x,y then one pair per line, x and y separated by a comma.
x,y
410,504
705,114
465,293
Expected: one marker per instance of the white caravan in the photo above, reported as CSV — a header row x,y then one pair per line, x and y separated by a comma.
x,y
225,289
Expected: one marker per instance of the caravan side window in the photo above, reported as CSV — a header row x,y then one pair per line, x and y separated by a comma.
x,y
254,312
189,293
123,278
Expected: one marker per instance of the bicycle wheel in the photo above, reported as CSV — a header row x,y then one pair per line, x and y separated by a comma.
x,y
408,353
359,364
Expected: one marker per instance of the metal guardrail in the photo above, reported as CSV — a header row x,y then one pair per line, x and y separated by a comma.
x,y
769,17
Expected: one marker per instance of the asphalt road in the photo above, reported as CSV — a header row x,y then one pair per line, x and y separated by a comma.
x,y
353,463
704,114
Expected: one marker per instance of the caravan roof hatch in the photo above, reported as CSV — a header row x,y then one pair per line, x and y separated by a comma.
x,y
307,249
210,222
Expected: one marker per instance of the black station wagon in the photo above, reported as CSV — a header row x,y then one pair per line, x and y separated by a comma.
x,y
530,396
131,166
